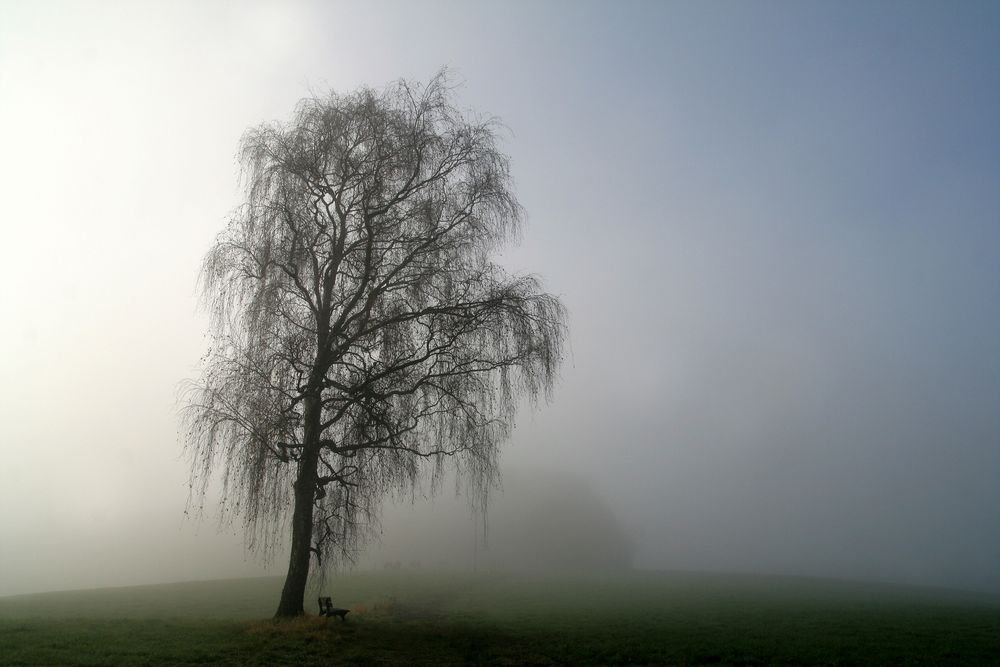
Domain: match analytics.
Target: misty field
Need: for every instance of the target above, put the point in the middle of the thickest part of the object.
(414, 617)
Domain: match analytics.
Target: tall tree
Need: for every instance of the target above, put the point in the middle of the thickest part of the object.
(359, 325)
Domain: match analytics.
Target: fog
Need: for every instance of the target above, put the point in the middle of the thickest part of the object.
(542, 521)
(776, 227)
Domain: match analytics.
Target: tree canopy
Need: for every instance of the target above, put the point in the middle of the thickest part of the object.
(359, 324)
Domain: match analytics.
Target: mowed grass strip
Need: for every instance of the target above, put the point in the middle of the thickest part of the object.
(430, 618)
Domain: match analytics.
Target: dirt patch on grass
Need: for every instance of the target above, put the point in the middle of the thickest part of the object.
(303, 627)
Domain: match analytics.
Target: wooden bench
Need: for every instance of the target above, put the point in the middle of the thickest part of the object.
(327, 609)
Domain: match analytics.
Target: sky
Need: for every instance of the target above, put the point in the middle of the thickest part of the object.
(776, 227)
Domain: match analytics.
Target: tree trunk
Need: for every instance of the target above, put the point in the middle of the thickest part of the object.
(294, 591)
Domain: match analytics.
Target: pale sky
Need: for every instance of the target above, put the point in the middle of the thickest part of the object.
(776, 226)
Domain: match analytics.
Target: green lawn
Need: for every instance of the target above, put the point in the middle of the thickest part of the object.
(426, 618)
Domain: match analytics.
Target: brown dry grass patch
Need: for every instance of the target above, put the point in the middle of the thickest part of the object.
(304, 627)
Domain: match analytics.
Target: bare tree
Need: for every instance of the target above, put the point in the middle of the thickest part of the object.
(360, 328)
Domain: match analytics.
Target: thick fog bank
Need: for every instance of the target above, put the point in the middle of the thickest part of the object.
(537, 521)
(153, 547)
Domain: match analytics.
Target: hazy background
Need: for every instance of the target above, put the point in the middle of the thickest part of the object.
(776, 226)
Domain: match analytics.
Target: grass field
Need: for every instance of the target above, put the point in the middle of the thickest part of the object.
(435, 618)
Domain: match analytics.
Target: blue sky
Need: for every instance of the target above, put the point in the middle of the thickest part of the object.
(776, 226)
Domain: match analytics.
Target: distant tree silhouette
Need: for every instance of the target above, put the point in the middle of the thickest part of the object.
(358, 325)
(554, 521)
(541, 520)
